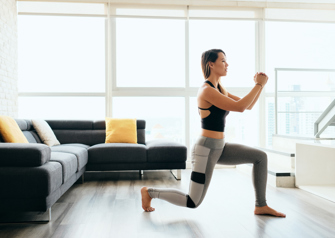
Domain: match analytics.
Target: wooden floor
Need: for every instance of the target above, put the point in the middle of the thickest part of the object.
(109, 205)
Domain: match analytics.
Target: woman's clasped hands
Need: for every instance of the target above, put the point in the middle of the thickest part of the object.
(261, 78)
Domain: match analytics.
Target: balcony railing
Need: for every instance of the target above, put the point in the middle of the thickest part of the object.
(308, 87)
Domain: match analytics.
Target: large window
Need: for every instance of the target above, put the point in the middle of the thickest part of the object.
(62, 107)
(155, 55)
(61, 67)
(165, 116)
(304, 90)
(150, 52)
(299, 45)
(235, 38)
(61, 54)
(142, 61)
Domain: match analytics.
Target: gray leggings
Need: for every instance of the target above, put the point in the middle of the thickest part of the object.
(206, 153)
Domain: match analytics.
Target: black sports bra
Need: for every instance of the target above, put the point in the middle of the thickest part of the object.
(217, 118)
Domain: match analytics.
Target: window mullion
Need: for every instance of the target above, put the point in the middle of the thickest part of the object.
(187, 82)
(260, 62)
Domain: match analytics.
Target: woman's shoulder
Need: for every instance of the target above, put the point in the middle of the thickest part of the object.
(206, 88)
(202, 89)
(205, 85)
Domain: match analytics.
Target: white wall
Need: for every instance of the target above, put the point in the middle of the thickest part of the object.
(8, 58)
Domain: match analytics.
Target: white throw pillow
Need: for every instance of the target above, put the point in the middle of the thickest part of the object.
(45, 132)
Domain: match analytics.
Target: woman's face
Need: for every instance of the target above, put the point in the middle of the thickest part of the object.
(220, 66)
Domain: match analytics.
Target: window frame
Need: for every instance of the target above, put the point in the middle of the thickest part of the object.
(111, 90)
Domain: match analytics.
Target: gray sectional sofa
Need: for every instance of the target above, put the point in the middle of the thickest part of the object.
(34, 176)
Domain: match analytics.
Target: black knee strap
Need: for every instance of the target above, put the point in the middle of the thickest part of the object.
(190, 203)
(198, 177)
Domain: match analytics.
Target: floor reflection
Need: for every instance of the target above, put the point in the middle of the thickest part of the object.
(179, 228)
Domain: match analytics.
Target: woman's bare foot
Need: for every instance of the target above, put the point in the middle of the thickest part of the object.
(266, 210)
(146, 200)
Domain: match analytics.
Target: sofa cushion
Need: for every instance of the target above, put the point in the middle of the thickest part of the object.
(78, 145)
(159, 151)
(70, 124)
(79, 152)
(99, 128)
(121, 130)
(10, 130)
(117, 153)
(32, 136)
(68, 162)
(45, 132)
(73, 131)
(25, 125)
(27, 128)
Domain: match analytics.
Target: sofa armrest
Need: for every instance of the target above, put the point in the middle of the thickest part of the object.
(24, 155)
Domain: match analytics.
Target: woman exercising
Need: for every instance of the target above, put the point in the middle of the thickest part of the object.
(214, 103)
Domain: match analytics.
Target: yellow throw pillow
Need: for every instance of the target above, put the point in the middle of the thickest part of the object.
(10, 130)
(121, 130)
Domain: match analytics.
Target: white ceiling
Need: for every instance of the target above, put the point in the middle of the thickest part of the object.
(293, 4)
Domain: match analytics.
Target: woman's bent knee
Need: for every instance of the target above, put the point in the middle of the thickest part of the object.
(191, 204)
(262, 157)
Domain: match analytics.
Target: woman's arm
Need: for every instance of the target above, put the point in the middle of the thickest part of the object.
(215, 98)
(212, 96)
(236, 98)
(255, 100)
